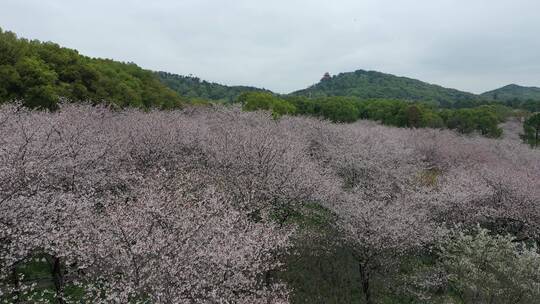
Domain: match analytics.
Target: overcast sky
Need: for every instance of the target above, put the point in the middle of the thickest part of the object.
(285, 45)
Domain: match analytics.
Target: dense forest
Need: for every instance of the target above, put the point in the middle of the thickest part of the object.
(195, 88)
(527, 98)
(40, 73)
(512, 91)
(483, 120)
(372, 84)
(375, 85)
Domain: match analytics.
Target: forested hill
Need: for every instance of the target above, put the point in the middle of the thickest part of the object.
(371, 84)
(514, 91)
(42, 72)
(193, 87)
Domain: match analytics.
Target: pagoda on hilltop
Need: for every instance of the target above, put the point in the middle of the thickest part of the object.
(326, 76)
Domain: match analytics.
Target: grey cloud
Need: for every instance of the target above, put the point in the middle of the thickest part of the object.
(474, 45)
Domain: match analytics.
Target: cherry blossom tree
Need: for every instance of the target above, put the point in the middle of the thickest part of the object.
(193, 205)
(123, 220)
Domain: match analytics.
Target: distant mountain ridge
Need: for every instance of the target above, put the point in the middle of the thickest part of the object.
(364, 85)
(373, 84)
(513, 91)
(194, 87)
(39, 73)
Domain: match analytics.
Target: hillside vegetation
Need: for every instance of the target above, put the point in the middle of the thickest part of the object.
(514, 91)
(195, 88)
(527, 98)
(483, 119)
(39, 73)
(372, 84)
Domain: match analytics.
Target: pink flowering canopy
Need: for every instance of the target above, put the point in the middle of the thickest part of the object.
(179, 206)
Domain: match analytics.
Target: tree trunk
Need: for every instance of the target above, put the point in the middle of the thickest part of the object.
(15, 282)
(58, 280)
(364, 277)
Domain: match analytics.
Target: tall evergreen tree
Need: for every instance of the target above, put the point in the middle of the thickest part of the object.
(531, 128)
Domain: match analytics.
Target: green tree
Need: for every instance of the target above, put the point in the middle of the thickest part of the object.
(34, 72)
(487, 124)
(41, 97)
(339, 109)
(486, 268)
(413, 116)
(10, 83)
(484, 120)
(531, 129)
(431, 119)
(254, 101)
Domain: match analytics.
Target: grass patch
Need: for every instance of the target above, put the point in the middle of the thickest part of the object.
(429, 177)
